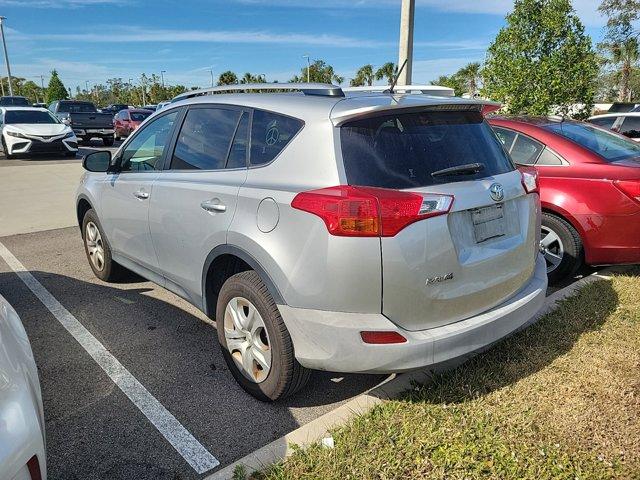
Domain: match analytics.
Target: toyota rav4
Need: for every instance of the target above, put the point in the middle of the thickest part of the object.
(322, 229)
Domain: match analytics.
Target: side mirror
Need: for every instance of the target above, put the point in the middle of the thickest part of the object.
(97, 161)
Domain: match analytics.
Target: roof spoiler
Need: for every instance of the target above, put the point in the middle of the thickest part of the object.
(435, 90)
(318, 89)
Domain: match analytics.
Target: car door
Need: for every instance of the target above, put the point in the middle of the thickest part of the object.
(125, 194)
(194, 198)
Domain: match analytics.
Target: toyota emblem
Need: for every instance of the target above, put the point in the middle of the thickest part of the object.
(497, 192)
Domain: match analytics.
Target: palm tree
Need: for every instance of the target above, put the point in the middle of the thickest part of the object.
(364, 76)
(625, 54)
(470, 77)
(389, 71)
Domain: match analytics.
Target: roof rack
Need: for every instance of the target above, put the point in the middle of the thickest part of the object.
(319, 89)
(435, 90)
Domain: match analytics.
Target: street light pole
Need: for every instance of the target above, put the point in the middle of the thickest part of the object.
(308, 68)
(406, 41)
(162, 72)
(211, 72)
(6, 55)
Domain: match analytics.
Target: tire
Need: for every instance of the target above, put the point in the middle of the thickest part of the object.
(269, 338)
(562, 240)
(105, 269)
(107, 141)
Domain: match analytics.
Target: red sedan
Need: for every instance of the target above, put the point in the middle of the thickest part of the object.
(127, 121)
(589, 188)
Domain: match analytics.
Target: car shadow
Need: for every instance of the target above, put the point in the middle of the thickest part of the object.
(520, 355)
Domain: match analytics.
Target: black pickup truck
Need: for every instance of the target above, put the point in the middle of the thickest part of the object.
(85, 120)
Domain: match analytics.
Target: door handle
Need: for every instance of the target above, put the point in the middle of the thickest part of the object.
(140, 195)
(213, 205)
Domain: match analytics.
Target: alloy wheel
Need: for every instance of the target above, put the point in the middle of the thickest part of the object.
(95, 246)
(247, 339)
(552, 248)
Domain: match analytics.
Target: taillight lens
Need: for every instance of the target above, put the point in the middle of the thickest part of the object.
(370, 212)
(382, 338)
(630, 188)
(530, 180)
(34, 468)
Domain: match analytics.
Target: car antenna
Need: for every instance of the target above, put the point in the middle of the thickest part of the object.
(395, 80)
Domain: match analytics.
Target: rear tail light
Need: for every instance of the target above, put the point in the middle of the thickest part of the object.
(34, 468)
(382, 338)
(530, 180)
(631, 188)
(370, 212)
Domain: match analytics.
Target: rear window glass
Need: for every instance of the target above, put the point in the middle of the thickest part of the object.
(139, 116)
(608, 145)
(76, 107)
(605, 122)
(403, 150)
(270, 133)
(14, 101)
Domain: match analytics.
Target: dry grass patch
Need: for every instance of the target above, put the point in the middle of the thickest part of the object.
(560, 399)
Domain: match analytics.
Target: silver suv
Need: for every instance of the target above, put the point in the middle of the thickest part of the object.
(330, 230)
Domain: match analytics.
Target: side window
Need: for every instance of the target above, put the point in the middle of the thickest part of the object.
(547, 157)
(631, 127)
(525, 150)
(505, 136)
(605, 122)
(52, 107)
(204, 140)
(238, 153)
(147, 147)
(270, 133)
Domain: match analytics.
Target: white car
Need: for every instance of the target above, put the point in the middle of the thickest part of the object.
(626, 123)
(22, 442)
(35, 130)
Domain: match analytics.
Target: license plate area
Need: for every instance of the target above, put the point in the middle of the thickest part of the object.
(488, 222)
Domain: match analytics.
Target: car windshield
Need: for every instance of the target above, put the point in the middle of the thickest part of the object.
(28, 116)
(608, 145)
(139, 116)
(76, 107)
(409, 150)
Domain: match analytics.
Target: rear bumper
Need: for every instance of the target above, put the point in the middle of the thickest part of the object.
(331, 340)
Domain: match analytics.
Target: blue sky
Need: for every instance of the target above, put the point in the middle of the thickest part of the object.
(92, 40)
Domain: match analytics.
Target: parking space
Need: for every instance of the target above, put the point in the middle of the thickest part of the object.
(93, 429)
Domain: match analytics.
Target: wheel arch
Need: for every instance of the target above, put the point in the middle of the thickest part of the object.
(223, 262)
(571, 220)
(83, 205)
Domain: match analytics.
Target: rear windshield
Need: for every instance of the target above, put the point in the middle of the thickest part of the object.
(139, 116)
(28, 116)
(403, 150)
(14, 101)
(76, 107)
(609, 146)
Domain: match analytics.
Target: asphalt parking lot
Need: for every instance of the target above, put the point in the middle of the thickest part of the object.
(94, 430)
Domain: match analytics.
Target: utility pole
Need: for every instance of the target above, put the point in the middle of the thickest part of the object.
(162, 72)
(211, 72)
(86, 84)
(308, 68)
(6, 55)
(406, 41)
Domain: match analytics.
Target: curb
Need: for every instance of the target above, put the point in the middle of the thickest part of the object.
(391, 388)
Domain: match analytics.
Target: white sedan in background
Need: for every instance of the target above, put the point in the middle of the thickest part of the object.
(22, 442)
(27, 130)
(626, 123)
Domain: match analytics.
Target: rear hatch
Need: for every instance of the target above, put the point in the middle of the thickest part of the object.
(468, 259)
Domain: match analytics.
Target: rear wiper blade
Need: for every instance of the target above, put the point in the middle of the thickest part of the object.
(467, 169)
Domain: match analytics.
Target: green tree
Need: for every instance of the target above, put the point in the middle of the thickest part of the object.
(624, 57)
(56, 89)
(389, 71)
(320, 72)
(32, 91)
(541, 61)
(227, 78)
(250, 78)
(364, 76)
(451, 81)
(470, 76)
(622, 17)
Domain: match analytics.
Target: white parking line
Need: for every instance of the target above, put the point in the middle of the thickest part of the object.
(179, 437)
